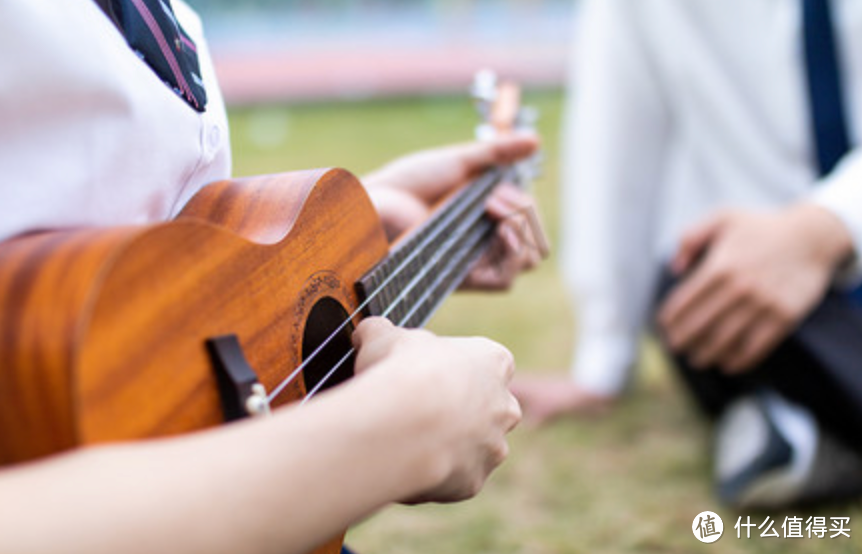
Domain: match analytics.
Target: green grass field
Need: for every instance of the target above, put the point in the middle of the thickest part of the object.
(630, 482)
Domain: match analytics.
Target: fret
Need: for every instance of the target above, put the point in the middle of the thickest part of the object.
(403, 280)
(430, 262)
(423, 310)
(427, 264)
(450, 274)
(398, 287)
(453, 209)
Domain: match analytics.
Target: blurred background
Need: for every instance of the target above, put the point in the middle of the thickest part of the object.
(355, 83)
(365, 48)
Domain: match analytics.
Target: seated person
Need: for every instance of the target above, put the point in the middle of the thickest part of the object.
(714, 189)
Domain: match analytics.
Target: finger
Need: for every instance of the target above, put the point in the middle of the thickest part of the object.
(369, 329)
(533, 248)
(507, 215)
(497, 208)
(507, 359)
(727, 335)
(686, 299)
(756, 346)
(516, 249)
(515, 146)
(486, 278)
(509, 204)
(704, 317)
(695, 241)
(496, 456)
(493, 270)
(515, 413)
(502, 150)
(508, 200)
(509, 260)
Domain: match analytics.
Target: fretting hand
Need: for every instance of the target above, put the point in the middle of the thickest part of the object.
(405, 191)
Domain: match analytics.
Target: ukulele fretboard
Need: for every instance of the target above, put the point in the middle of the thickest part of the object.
(424, 268)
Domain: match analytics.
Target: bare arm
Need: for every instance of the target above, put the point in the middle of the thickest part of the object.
(288, 483)
(426, 421)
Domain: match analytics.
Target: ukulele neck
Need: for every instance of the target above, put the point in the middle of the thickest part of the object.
(425, 267)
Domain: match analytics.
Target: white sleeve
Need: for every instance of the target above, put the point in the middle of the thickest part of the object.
(89, 134)
(841, 193)
(616, 133)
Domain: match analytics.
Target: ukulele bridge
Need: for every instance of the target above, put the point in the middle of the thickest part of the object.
(242, 395)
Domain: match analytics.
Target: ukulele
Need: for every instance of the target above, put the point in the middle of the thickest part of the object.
(245, 302)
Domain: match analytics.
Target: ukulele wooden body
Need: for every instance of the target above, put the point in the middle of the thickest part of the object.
(102, 332)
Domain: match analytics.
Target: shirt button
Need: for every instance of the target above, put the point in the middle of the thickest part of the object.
(178, 44)
(214, 137)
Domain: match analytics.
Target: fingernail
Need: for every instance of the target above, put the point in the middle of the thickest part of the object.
(508, 191)
(513, 241)
(496, 208)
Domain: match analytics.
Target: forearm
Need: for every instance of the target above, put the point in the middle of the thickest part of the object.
(829, 237)
(294, 481)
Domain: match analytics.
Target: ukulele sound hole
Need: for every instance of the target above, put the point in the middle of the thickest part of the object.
(323, 322)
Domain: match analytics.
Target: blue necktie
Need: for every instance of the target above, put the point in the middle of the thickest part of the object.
(828, 118)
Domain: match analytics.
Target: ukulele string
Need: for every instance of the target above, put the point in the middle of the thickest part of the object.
(469, 248)
(407, 317)
(475, 194)
(461, 230)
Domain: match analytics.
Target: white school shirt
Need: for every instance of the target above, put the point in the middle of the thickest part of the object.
(89, 134)
(682, 107)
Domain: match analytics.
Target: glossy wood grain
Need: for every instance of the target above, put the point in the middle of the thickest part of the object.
(102, 331)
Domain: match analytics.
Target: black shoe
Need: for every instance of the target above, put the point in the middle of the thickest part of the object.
(764, 448)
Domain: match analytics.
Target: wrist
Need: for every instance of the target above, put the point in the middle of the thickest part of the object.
(398, 210)
(374, 181)
(830, 240)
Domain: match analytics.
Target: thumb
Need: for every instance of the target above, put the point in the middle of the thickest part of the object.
(696, 240)
(502, 150)
(370, 329)
(515, 146)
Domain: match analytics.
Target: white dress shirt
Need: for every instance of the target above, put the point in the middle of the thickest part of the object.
(89, 134)
(682, 107)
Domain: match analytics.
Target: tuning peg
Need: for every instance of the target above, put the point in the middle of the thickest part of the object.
(485, 86)
(484, 93)
(527, 118)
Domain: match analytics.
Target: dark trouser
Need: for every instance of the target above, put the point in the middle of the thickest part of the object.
(819, 367)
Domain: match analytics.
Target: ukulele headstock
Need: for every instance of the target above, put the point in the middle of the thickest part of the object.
(499, 105)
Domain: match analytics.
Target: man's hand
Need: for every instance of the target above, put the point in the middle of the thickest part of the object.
(405, 191)
(546, 399)
(752, 277)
